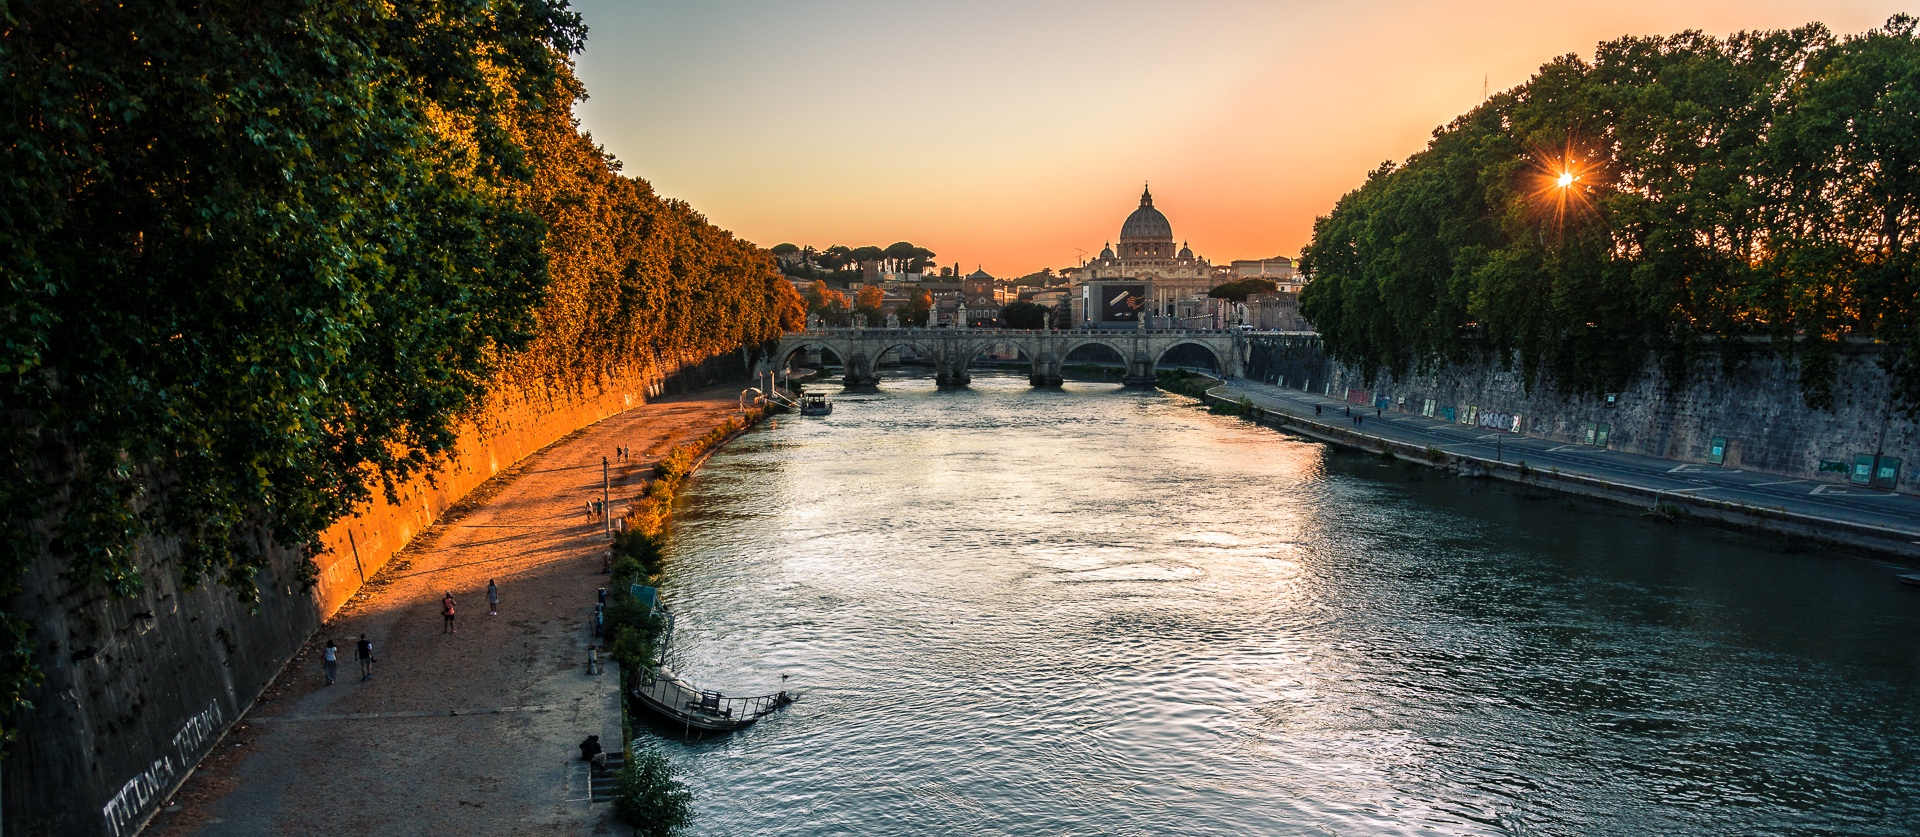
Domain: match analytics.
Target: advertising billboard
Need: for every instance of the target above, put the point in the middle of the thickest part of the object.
(1122, 303)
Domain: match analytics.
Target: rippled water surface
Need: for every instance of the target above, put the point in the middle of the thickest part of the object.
(1096, 611)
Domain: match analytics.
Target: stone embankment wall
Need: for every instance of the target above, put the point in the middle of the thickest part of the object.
(138, 689)
(1756, 407)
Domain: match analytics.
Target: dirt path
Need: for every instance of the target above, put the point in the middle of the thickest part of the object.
(465, 733)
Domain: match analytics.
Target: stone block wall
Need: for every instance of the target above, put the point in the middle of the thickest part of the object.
(1756, 407)
(138, 689)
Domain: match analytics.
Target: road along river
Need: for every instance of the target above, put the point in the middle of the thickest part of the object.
(1094, 611)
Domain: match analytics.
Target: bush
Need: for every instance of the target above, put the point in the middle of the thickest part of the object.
(650, 799)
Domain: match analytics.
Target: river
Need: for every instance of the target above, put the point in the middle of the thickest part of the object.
(1095, 611)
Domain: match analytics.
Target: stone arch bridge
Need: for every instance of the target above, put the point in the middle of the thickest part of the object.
(951, 349)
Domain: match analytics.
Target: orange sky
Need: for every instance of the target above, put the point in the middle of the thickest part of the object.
(1016, 134)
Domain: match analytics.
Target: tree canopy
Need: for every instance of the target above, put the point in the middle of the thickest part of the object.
(1239, 290)
(1674, 190)
(912, 259)
(262, 258)
(1024, 314)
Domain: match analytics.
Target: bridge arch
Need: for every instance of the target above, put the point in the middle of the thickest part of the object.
(1219, 358)
(792, 345)
(1081, 343)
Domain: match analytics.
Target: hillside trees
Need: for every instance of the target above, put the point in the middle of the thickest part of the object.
(263, 257)
(1676, 189)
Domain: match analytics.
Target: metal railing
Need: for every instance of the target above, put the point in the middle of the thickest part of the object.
(683, 697)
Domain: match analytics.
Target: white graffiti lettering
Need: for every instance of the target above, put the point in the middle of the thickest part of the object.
(145, 787)
(125, 807)
(198, 728)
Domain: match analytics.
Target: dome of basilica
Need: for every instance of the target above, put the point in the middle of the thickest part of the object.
(1146, 223)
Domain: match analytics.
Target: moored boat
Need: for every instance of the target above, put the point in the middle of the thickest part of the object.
(815, 405)
(659, 690)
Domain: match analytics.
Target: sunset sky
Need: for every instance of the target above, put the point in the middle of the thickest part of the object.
(1016, 135)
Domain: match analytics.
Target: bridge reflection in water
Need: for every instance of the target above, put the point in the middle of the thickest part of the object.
(950, 350)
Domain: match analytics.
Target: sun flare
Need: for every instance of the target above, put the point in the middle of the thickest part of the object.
(1566, 179)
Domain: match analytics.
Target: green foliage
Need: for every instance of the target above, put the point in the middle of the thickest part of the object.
(651, 799)
(1183, 382)
(1240, 290)
(1762, 185)
(1024, 315)
(263, 258)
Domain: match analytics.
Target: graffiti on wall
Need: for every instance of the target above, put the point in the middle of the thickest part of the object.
(123, 811)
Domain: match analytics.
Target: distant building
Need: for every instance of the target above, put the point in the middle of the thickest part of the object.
(1279, 269)
(1145, 277)
(1276, 312)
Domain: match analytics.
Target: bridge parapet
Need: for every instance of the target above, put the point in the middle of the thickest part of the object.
(952, 349)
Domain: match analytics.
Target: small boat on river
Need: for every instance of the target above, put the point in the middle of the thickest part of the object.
(1911, 578)
(659, 690)
(815, 405)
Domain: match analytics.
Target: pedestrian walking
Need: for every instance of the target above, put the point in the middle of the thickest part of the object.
(364, 650)
(493, 599)
(446, 612)
(330, 661)
(589, 508)
(1316, 409)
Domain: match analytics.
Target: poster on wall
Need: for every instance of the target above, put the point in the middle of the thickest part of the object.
(1122, 303)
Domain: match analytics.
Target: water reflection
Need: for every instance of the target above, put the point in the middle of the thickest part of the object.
(1097, 611)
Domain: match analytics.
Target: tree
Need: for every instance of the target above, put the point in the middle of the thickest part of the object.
(867, 302)
(829, 304)
(913, 259)
(1676, 189)
(917, 309)
(785, 249)
(1238, 291)
(1023, 315)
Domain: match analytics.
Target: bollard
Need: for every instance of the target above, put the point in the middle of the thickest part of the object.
(593, 659)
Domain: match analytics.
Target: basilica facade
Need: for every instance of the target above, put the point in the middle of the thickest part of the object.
(1145, 258)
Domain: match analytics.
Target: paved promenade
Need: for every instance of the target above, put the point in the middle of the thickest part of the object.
(468, 733)
(1897, 516)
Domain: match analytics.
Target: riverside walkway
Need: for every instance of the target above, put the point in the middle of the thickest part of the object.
(1849, 514)
(469, 733)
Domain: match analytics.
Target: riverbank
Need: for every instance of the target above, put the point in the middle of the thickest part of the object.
(1881, 523)
(470, 732)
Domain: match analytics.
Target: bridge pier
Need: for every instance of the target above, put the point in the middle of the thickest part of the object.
(859, 372)
(1046, 371)
(1140, 371)
(948, 372)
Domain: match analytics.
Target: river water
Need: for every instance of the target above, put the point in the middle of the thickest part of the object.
(1100, 611)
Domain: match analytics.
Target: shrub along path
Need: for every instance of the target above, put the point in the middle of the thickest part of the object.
(467, 733)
